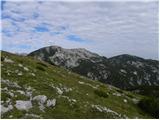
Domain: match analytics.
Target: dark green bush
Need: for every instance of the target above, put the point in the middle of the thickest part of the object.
(2, 58)
(101, 93)
(120, 91)
(129, 95)
(40, 63)
(150, 105)
(40, 68)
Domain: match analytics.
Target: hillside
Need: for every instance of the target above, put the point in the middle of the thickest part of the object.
(34, 89)
(123, 71)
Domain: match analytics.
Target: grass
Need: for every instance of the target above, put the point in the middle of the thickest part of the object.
(47, 75)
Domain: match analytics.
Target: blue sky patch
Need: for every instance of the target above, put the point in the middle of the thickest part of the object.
(24, 46)
(76, 38)
(41, 28)
(55, 33)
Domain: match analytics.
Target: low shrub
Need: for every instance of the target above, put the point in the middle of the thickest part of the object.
(101, 93)
(2, 58)
(40, 63)
(40, 68)
(150, 105)
(129, 95)
(120, 91)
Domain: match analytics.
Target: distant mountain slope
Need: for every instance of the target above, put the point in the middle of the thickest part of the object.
(123, 71)
(35, 89)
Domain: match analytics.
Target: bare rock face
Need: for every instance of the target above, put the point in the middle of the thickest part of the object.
(123, 71)
(66, 57)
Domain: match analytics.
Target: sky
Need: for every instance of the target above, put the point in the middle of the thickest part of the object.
(108, 28)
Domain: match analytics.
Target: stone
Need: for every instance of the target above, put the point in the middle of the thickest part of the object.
(40, 98)
(51, 103)
(33, 74)
(8, 60)
(20, 65)
(20, 73)
(59, 91)
(6, 109)
(125, 100)
(26, 69)
(21, 92)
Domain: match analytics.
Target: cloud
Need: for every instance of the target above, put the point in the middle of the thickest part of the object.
(108, 28)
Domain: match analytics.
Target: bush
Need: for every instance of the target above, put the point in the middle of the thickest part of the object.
(40, 63)
(40, 68)
(101, 93)
(120, 91)
(2, 58)
(150, 105)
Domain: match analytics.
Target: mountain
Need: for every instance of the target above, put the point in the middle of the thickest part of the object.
(35, 89)
(123, 71)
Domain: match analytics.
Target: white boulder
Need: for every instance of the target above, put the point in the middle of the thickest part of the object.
(23, 105)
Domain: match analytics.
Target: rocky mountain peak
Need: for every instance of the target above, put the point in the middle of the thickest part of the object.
(63, 56)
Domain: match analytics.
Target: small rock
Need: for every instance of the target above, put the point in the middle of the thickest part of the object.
(8, 100)
(28, 94)
(21, 92)
(10, 83)
(26, 69)
(73, 100)
(20, 73)
(20, 65)
(135, 101)
(59, 91)
(125, 100)
(51, 103)
(117, 94)
(33, 74)
(8, 60)
(16, 71)
(32, 115)
(11, 94)
(6, 109)
(5, 88)
(11, 116)
(41, 107)
(40, 98)
(80, 82)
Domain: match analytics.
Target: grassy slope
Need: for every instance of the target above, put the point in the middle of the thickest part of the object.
(83, 94)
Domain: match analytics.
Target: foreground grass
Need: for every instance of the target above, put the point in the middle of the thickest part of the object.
(81, 97)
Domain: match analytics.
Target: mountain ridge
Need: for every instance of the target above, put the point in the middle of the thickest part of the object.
(132, 70)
